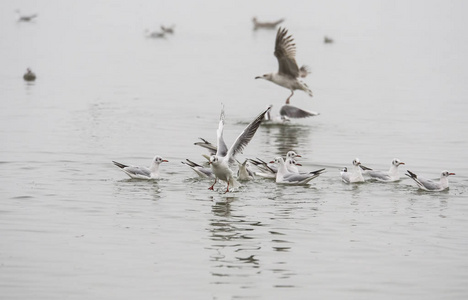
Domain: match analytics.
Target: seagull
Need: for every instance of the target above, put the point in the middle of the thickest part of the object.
(327, 40)
(199, 169)
(245, 173)
(288, 73)
(429, 185)
(142, 172)
(288, 112)
(269, 170)
(224, 157)
(25, 18)
(169, 30)
(355, 175)
(284, 176)
(386, 176)
(29, 75)
(265, 25)
(154, 34)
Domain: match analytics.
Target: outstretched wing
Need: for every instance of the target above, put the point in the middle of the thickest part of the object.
(222, 148)
(247, 134)
(285, 52)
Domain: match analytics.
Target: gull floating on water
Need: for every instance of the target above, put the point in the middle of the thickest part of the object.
(24, 18)
(284, 176)
(386, 176)
(201, 171)
(224, 157)
(287, 112)
(430, 185)
(142, 172)
(288, 72)
(169, 30)
(154, 34)
(265, 25)
(29, 75)
(355, 175)
(245, 173)
(269, 170)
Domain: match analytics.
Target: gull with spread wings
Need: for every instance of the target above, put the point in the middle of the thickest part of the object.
(224, 157)
(288, 73)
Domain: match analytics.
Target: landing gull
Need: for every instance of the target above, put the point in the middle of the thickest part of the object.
(224, 157)
(430, 185)
(288, 72)
(142, 172)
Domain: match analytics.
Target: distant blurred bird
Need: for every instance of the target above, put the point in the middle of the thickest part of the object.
(288, 73)
(265, 25)
(168, 29)
(25, 18)
(327, 40)
(154, 34)
(29, 75)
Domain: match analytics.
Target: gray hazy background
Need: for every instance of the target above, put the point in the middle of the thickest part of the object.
(73, 226)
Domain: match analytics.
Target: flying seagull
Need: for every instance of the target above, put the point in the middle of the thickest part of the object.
(288, 72)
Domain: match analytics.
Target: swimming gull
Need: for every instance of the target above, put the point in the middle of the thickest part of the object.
(201, 171)
(386, 176)
(430, 185)
(284, 176)
(288, 72)
(25, 18)
(29, 75)
(245, 173)
(224, 157)
(169, 30)
(142, 172)
(265, 25)
(355, 175)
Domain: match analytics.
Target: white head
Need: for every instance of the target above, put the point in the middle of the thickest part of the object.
(396, 162)
(278, 160)
(158, 159)
(344, 170)
(356, 162)
(213, 159)
(268, 77)
(292, 154)
(446, 174)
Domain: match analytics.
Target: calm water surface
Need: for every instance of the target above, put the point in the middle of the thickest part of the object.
(73, 226)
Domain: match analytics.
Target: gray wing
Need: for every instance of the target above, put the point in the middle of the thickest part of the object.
(285, 52)
(207, 145)
(139, 171)
(378, 175)
(244, 138)
(299, 178)
(295, 112)
(222, 148)
(429, 184)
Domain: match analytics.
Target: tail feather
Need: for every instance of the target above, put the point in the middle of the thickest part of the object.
(119, 165)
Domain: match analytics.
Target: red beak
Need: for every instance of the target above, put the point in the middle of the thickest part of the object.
(165, 160)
